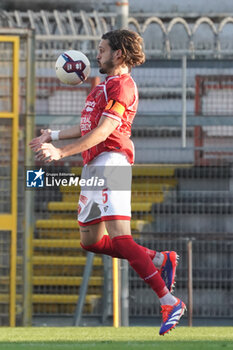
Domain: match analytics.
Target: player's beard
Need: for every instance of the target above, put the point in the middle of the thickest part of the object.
(107, 66)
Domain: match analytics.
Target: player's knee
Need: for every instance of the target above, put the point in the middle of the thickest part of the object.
(94, 248)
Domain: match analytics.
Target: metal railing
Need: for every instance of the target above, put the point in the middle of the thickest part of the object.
(168, 38)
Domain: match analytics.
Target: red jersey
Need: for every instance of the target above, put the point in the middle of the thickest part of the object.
(116, 98)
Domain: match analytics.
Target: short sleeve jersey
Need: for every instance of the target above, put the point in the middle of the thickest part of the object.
(116, 98)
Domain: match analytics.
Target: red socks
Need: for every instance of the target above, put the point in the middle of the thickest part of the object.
(104, 246)
(125, 247)
(140, 258)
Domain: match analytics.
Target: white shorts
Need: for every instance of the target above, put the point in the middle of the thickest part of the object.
(112, 200)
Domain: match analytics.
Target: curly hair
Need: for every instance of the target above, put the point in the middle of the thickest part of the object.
(129, 42)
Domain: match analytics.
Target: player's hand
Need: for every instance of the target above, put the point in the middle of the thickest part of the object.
(38, 141)
(47, 153)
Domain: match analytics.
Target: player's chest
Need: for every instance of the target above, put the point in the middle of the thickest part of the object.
(94, 107)
(97, 98)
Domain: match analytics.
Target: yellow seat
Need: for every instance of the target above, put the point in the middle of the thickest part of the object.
(58, 224)
(72, 206)
(65, 281)
(56, 243)
(64, 260)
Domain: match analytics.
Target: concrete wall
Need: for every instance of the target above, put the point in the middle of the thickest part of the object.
(182, 6)
(149, 6)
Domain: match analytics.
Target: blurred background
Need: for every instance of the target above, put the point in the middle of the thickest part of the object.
(182, 194)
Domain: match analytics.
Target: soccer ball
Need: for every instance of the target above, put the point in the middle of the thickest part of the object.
(72, 67)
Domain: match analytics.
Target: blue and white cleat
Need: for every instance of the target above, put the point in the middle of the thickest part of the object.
(168, 269)
(171, 316)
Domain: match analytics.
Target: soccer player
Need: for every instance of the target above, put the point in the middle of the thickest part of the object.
(103, 138)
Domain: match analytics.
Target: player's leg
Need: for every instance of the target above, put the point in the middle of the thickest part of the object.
(123, 243)
(94, 239)
(91, 234)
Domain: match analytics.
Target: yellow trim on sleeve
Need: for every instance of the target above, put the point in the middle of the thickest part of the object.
(114, 106)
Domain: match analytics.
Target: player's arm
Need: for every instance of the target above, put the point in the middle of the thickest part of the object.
(105, 128)
(70, 133)
(48, 135)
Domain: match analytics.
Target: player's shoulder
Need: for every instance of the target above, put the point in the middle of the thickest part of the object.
(120, 86)
(120, 81)
(122, 89)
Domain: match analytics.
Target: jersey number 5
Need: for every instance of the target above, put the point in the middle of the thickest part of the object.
(105, 195)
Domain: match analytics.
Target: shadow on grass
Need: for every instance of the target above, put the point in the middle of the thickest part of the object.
(117, 345)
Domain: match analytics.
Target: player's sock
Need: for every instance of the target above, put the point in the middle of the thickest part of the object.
(158, 259)
(168, 299)
(104, 246)
(140, 262)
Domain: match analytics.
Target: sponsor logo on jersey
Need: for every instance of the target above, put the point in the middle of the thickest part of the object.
(85, 123)
(89, 109)
(90, 104)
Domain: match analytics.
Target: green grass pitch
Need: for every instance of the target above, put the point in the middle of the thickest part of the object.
(101, 338)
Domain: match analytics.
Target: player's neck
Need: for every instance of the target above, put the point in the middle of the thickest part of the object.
(119, 70)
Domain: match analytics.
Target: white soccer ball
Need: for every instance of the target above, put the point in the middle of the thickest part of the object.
(72, 67)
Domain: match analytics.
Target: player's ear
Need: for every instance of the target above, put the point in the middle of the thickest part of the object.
(118, 53)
